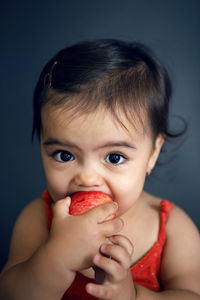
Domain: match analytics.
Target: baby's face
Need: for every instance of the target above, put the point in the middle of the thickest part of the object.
(94, 152)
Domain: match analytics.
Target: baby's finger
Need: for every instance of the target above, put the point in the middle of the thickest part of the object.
(117, 253)
(99, 290)
(112, 268)
(61, 207)
(122, 241)
(112, 227)
(104, 211)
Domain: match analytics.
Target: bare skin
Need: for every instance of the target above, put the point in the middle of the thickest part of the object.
(78, 157)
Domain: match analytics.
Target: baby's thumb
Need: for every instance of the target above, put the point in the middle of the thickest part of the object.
(61, 207)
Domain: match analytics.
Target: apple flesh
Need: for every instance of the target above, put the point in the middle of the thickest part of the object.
(81, 202)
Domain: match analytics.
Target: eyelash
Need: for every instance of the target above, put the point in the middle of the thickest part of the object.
(120, 156)
(62, 152)
(71, 157)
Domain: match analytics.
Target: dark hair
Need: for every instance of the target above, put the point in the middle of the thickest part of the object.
(116, 74)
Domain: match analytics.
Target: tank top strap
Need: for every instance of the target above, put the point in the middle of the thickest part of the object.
(47, 204)
(165, 207)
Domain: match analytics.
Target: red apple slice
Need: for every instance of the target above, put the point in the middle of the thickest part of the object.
(81, 202)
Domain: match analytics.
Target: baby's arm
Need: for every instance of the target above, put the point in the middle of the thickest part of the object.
(42, 265)
(180, 269)
(29, 272)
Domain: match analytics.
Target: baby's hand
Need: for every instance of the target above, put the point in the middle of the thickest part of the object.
(115, 260)
(75, 240)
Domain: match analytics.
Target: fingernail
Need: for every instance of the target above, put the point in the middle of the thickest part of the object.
(111, 238)
(97, 258)
(68, 200)
(89, 288)
(103, 247)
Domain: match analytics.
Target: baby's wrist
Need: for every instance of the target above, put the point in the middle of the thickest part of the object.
(61, 266)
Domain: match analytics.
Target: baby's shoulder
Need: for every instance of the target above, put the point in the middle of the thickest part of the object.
(36, 206)
(32, 213)
(31, 220)
(30, 231)
(176, 217)
(181, 252)
(178, 222)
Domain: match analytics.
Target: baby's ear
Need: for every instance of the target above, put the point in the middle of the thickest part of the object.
(155, 152)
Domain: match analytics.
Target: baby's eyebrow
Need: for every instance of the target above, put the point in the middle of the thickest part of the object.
(53, 142)
(117, 144)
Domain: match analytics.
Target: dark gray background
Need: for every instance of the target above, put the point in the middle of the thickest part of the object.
(33, 31)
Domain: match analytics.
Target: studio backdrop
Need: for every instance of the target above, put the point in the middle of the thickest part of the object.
(33, 31)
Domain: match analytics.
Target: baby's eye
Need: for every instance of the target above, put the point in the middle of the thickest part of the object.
(115, 158)
(63, 156)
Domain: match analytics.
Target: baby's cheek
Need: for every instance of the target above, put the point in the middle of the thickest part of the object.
(126, 199)
(57, 189)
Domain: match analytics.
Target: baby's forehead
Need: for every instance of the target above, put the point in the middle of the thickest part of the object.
(123, 109)
(64, 116)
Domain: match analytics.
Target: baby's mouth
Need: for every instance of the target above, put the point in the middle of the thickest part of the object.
(71, 194)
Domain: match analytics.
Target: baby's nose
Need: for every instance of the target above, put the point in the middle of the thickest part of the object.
(88, 178)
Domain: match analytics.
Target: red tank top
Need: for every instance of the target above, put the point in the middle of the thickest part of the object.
(145, 272)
